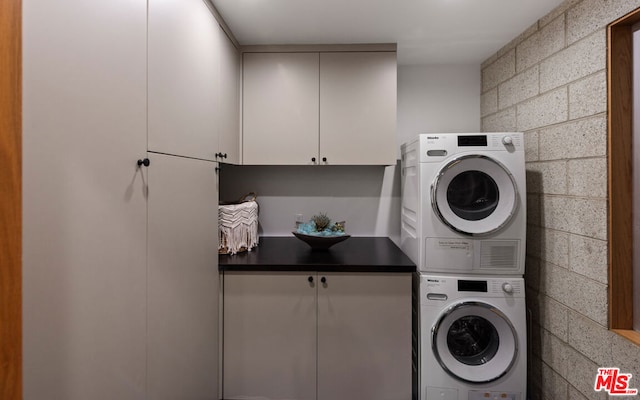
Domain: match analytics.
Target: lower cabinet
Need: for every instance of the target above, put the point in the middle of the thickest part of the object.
(364, 337)
(325, 336)
(269, 339)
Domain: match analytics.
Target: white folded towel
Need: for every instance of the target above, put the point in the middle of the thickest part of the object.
(238, 226)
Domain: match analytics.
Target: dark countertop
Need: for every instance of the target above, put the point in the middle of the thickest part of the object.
(356, 254)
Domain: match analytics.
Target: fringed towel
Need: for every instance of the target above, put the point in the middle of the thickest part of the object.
(238, 226)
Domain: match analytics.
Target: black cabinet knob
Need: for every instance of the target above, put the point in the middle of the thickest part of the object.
(323, 280)
(313, 159)
(324, 159)
(144, 162)
(310, 279)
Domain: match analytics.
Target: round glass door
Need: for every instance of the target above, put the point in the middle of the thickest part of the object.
(474, 342)
(474, 195)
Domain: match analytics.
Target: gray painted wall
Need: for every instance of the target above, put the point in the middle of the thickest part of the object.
(430, 99)
(550, 82)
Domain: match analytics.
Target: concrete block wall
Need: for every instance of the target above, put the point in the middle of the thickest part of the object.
(550, 83)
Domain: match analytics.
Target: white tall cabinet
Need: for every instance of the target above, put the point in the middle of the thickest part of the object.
(182, 279)
(229, 101)
(183, 78)
(194, 77)
(120, 273)
(84, 206)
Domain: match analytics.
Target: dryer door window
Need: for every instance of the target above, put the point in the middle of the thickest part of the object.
(474, 195)
(474, 342)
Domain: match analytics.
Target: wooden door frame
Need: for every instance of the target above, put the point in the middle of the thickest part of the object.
(620, 155)
(11, 199)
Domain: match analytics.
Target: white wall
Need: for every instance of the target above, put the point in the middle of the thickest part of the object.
(366, 197)
(438, 98)
(442, 98)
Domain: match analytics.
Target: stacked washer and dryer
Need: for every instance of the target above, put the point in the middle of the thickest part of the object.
(464, 225)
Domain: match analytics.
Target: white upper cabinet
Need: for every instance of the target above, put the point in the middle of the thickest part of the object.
(229, 101)
(280, 108)
(358, 108)
(305, 108)
(183, 68)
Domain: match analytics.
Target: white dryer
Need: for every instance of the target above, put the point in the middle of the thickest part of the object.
(473, 342)
(464, 203)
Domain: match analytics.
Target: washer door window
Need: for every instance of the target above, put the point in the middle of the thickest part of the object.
(474, 342)
(474, 195)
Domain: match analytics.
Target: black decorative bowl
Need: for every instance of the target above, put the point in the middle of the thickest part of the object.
(320, 242)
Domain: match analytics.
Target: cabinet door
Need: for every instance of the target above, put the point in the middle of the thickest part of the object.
(229, 101)
(358, 108)
(183, 284)
(364, 337)
(280, 108)
(269, 336)
(183, 74)
(84, 211)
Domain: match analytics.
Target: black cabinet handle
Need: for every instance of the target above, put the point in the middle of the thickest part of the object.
(323, 280)
(144, 162)
(310, 279)
(324, 159)
(313, 159)
(221, 155)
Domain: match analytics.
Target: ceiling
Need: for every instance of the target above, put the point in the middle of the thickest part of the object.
(426, 31)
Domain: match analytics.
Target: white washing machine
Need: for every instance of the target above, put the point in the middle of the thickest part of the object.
(464, 203)
(473, 342)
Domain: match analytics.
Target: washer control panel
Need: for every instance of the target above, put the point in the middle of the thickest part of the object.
(507, 286)
(442, 288)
